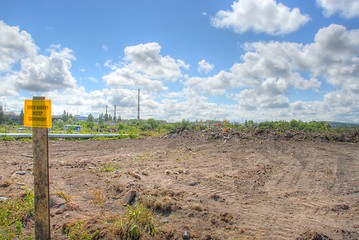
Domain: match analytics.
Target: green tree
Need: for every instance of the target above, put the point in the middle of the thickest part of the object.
(249, 123)
(65, 116)
(294, 124)
(21, 120)
(153, 123)
(59, 124)
(101, 118)
(70, 121)
(90, 118)
(71, 117)
(145, 126)
(2, 117)
(185, 124)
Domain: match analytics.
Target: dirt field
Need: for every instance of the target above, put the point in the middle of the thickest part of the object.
(244, 188)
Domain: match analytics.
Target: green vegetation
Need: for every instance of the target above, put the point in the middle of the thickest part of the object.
(311, 127)
(15, 214)
(110, 167)
(328, 171)
(77, 231)
(7, 138)
(134, 129)
(296, 125)
(137, 222)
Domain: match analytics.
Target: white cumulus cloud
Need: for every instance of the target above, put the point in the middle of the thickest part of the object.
(213, 85)
(334, 56)
(204, 66)
(130, 77)
(145, 67)
(23, 68)
(346, 8)
(147, 58)
(270, 71)
(14, 46)
(262, 16)
(44, 73)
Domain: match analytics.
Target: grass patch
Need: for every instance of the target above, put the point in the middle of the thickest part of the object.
(77, 231)
(63, 195)
(109, 167)
(138, 222)
(104, 138)
(7, 138)
(26, 139)
(15, 214)
(133, 135)
(328, 171)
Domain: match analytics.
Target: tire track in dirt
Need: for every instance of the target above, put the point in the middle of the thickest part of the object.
(260, 215)
(299, 173)
(220, 183)
(346, 172)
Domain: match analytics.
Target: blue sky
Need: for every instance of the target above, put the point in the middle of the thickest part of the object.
(234, 60)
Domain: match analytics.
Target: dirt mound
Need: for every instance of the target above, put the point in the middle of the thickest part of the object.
(226, 134)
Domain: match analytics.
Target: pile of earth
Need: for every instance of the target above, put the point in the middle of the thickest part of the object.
(226, 134)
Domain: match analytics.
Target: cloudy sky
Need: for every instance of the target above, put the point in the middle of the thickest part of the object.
(203, 59)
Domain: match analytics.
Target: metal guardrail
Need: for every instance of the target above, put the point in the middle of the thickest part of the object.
(62, 135)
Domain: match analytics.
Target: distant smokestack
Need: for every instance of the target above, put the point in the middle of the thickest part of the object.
(138, 105)
(106, 109)
(114, 113)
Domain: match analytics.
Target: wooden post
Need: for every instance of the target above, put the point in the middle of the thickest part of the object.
(41, 181)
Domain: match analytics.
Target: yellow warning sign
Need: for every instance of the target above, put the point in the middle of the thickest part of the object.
(37, 113)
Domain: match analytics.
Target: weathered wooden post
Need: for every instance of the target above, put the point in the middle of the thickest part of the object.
(38, 115)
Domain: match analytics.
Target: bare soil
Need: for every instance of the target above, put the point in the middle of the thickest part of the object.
(214, 187)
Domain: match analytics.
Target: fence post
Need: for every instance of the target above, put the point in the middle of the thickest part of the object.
(41, 181)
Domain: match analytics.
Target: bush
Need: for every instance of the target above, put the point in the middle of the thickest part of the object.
(185, 124)
(121, 126)
(153, 123)
(145, 127)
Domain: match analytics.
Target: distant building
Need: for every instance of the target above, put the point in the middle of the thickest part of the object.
(74, 127)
